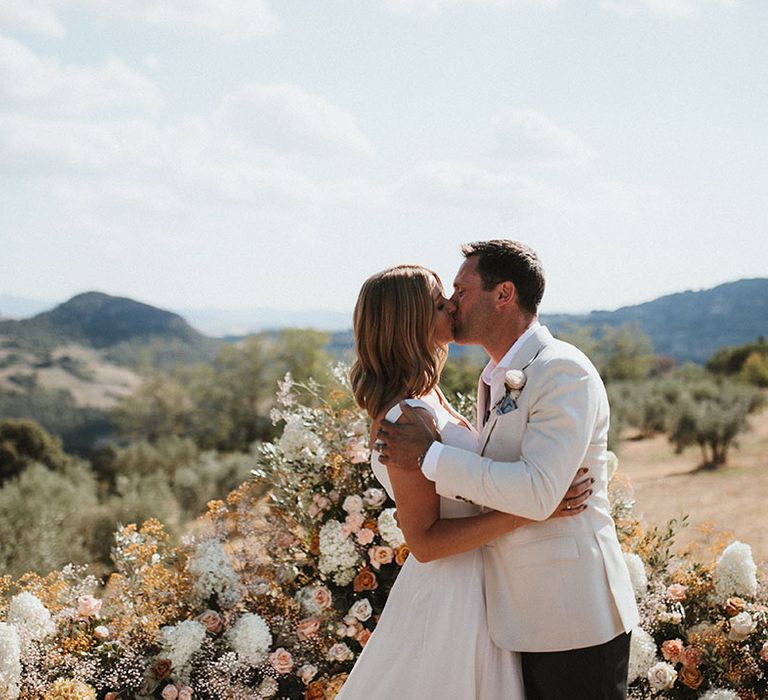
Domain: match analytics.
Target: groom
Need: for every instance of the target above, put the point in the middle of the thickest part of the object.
(557, 591)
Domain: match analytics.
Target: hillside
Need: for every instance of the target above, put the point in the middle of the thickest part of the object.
(689, 326)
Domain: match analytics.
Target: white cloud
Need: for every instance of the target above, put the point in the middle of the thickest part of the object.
(437, 6)
(451, 184)
(35, 16)
(238, 17)
(47, 85)
(525, 134)
(674, 9)
(291, 120)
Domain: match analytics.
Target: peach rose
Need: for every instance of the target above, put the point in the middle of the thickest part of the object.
(170, 692)
(372, 525)
(307, 628)
(691, 676)
(672, 650)
(340, 652)
(365, 536)
(733, 606)
(365, 581)
(211, 620)
(111, 695)
(379, 555)
(88, 606)
(401, 554)
(322, 598)
(315, 691)
(162, 669)
(677, 592)
(185, 693)
(307, 672)
(354, 521)
(363, 636)
(691, 657)
(281, 660)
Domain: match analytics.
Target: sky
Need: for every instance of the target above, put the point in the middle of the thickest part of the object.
(234, 154)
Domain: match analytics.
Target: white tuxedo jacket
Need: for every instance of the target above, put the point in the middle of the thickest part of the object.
(558, 584)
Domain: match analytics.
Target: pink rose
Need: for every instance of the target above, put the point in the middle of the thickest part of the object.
(691, 657)
(307, 628)
(764, 652)
(677, 592)
(170, 692)
(322, 598)
(334, 496)
(340, 652)
(365, 536)
(185, 693)
(281, 660)
(357, 451)
(380, 555)
(211, 620)
(353, 504)
(672, 650)
(88, 606)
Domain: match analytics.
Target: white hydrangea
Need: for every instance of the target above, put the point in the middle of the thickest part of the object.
(612, 464)
(338, 554)
(30, 616)
(719, 694)
(299, 444)
(10, 661)
(250, 638)
(213, 574)
(636, 574)
(388, 528)
(736, 572)
(178, 642)
(642, 654)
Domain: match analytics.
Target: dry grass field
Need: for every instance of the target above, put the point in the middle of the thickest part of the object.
(730, 502)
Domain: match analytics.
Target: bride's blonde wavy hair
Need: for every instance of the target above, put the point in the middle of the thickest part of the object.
(394, 324)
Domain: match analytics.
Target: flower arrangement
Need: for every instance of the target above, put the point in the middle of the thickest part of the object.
(276, 596)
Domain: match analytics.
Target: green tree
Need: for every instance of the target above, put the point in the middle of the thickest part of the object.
(23, 442)
(755, 369)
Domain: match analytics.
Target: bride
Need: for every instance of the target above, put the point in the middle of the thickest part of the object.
(432, 639)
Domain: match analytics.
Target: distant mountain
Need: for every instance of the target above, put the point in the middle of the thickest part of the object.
(688, 326)
(102, 321)
(222, 323)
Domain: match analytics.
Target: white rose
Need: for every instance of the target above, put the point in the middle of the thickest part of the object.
(514, 379)
(662, 676)
(307, 672)
(742, 625)
(353, 504)
(361, 609)
(340, 652)
(374, 497)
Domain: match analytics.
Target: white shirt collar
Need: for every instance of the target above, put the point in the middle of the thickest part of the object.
(506, 361)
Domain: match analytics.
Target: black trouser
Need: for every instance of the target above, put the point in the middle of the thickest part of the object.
(592, 673)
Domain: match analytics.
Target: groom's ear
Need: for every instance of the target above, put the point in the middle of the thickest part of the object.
(506, 293)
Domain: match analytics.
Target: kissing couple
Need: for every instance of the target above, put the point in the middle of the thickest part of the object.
(517, 588)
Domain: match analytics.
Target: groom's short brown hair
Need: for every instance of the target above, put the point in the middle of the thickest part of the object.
(509, 261)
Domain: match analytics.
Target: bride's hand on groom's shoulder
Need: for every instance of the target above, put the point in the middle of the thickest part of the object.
(403, 444)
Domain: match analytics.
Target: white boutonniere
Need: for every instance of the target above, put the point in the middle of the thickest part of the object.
(514, 381)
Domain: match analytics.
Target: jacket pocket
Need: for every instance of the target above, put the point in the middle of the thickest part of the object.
(545, 550)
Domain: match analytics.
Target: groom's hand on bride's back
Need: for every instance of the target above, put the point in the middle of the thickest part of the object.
(403, 444)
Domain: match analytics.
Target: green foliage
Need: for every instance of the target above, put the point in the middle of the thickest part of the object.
(461, 373)
(45, 519)
(619, 353)
(731, 360)
(23, 442)
(755, 369)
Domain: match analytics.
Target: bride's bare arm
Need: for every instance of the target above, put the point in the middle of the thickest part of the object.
(429, 537)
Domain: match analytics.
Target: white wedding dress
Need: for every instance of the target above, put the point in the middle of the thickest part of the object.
(432, 639)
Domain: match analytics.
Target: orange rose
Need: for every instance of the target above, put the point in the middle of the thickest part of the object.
(162, 668)
(734, 606)
(371, 524)
(315, 691)
(365, 581)
(363, 636)
(691, 676)
(401, 554)
(672, 650)
(314, 544)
